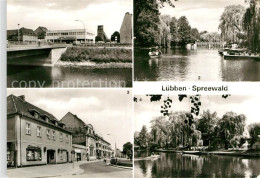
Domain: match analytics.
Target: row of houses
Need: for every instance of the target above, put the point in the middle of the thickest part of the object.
(35, 137)
(69, 36)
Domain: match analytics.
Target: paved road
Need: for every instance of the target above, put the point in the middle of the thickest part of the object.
(99, 169)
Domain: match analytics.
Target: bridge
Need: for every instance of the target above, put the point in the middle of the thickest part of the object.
(35, 56)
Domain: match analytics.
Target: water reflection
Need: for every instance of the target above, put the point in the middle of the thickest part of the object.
(193, 65)
(178, 165)
(22, 76)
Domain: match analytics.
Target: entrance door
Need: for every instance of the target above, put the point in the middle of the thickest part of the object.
(50, 156)
(67, 157)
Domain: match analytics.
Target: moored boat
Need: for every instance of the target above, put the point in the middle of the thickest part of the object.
(191, 152)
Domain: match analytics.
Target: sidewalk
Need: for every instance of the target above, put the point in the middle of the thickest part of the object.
(51, 170)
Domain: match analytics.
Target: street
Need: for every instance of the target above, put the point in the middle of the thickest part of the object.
(78, 169)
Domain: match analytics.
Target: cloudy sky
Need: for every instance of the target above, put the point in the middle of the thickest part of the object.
(145, 111)
(202, 14)
(108, 110)
(61, 14)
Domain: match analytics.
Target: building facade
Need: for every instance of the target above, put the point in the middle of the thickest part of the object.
(101, 35)
(34, 136)
(126, 29)
(40, 32)
(84, 134)
(25, 35)
(69, 36)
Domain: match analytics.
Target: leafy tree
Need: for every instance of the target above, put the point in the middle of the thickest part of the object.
(165, 32)
(174, 31)
(195, 35)
(231, 23)
(254, 131)
(143, 137)
(146, 21)
(184, 30)
(229, 126)
(207, 124)
(251, 25)
(128, 149)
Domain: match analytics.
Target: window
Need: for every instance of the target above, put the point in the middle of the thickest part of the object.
(28, 129)
(67, 138)
(48, 134)
(39, 131)
(53, 135)
(61, 137)
(33, 154)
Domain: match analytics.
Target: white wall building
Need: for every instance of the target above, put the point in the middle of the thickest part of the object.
(69, 36)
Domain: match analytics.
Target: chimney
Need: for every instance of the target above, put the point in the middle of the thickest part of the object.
(22, 97)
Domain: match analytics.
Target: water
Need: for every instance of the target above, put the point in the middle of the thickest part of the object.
(31, 76)
(178, 165)
(193, 65)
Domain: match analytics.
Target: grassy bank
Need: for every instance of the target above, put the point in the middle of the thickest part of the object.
(98, 55)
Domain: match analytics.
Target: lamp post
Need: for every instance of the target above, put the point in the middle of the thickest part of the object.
(18, 37)
(84, 29)
(115, 142)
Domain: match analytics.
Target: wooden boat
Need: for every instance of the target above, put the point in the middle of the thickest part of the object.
(229, 56)
(240, 54)
(191, 152)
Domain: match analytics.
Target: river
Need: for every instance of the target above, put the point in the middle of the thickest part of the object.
(32, 76)
(193, 65)
(178, 165)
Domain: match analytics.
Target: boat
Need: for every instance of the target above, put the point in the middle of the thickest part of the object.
(240, 54)
(222, 51)
(154, 54)
(191, 152)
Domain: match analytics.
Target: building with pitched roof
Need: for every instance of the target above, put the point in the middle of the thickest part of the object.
(34, 136)
(84, 134)
(41, 32)
(25, 35)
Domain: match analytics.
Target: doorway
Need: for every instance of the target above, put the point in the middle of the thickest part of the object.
(51, 157)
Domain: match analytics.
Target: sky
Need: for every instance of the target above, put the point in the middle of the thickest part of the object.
(202, 14)
(108, 110)
(145, 111)
(61, 14)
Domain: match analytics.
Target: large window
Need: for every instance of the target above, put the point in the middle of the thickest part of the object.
(28, 129)
(33, 154)
(53, 135)
(39, 131)
(48, 134)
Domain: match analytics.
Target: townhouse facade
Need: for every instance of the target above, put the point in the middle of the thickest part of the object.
(95, 147)
(34, 136)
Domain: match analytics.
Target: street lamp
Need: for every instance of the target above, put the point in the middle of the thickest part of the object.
(115, 142)
(84, 29)
(18, 38)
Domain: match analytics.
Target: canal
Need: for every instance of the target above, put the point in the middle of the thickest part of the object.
(32, 76)
(193, 65)
(178, 165)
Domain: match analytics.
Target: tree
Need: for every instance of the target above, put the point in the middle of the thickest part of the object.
(195, 35)
(229, 126)
(254, 131)
(165, 32)
(184, 30)
(231, 23)
(251, 25)
(128, 149)
(115, 37)
(174, 31)
(146, 21)
(143, 137)
(207, 124)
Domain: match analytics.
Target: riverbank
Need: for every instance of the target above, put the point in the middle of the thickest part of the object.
(97, 55)
(90, 64)
(247, 153)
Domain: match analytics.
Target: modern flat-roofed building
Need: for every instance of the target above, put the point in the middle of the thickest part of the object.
(69, 36)
(34, 136)
(126, 29)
